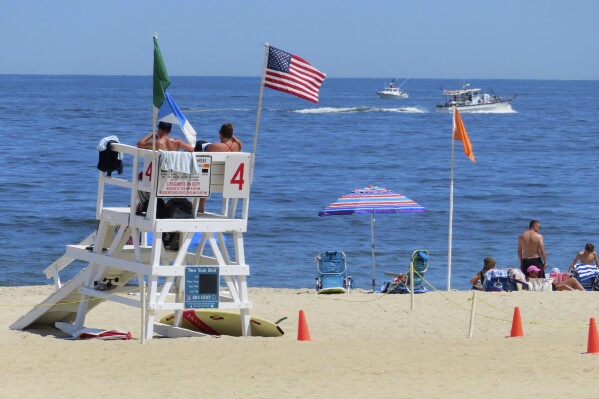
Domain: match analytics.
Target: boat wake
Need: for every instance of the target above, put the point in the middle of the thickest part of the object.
(205, 110)
(331, 110)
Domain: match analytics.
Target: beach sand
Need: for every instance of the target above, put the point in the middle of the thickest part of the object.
(362, 345)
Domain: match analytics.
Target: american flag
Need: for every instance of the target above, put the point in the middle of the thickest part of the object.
(291, 74)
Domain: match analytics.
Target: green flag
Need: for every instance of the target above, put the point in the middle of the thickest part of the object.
(161, 79)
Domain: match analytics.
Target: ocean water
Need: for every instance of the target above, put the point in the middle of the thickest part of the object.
(537, 161)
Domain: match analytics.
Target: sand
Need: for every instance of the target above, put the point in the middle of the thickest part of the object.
(362, 345)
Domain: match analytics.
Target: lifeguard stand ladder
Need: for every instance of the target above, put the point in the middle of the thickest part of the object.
(119, 251)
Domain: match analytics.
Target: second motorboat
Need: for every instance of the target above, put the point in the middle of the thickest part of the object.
(473, 100)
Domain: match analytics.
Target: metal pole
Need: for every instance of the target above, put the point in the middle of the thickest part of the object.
(266, 47)
(154, 116)
(450, 207)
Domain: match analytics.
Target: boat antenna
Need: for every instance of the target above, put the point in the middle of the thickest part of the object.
(402, 83)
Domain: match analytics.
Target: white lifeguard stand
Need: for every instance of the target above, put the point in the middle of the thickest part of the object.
(120, 251)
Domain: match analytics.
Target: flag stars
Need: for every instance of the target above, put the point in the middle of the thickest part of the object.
(278, 60)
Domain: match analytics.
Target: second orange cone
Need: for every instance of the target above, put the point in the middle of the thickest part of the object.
(517, 324)
(302, 328)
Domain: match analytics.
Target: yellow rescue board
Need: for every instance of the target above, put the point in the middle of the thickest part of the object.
(222, 322)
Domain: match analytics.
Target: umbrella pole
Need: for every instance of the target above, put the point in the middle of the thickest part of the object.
(372, 246)
(450, 234)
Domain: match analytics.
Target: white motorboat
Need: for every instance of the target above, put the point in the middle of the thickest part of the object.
(393, 91)
(473, 100)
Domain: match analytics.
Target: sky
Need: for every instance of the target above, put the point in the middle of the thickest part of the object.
(464, 39)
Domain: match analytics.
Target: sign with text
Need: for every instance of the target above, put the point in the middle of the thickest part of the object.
(237, 176)
(178, 184)
(201, 287)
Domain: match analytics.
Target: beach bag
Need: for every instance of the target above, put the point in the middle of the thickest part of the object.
(161, 210)
(559, 277)
(540, 284)
(179, 208)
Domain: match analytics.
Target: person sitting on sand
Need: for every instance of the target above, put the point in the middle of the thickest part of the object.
(479, 278)
(569, 284)
(586, 257)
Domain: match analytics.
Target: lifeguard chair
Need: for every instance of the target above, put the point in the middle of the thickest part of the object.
(121, 252)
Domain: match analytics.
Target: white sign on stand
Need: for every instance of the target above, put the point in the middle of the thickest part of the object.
(237, 177)
(176, 184)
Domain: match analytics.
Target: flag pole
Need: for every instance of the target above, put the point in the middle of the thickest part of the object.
(253, 155)
(154, 115)
(266, 47)
(450, 206)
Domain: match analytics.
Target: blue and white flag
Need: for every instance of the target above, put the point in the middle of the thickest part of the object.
(170, 112)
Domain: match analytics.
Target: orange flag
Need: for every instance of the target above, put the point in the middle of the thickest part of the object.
(459, 133)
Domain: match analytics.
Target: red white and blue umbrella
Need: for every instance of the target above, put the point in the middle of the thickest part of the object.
(371, 200)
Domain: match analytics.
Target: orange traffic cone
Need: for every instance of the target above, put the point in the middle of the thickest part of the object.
(517, 324)
(302, 328)
(593, 345)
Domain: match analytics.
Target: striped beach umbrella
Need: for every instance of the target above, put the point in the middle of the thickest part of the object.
(370, 201)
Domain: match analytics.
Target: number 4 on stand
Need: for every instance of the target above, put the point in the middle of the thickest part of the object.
(236, 179)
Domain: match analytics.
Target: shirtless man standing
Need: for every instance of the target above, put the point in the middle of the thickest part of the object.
(163, 141)
(531, 250)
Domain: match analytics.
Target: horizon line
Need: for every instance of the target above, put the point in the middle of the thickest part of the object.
(258, 77)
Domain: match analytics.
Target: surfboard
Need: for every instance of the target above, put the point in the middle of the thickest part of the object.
(222, 322)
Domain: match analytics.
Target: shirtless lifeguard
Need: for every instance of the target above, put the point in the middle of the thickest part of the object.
(531, 250)
(163, 141)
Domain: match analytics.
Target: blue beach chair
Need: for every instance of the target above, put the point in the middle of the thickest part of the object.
(401, 282)
(332, 273)
(502, 280)
(497, 280)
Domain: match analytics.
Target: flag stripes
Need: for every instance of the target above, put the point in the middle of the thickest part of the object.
(293, 75)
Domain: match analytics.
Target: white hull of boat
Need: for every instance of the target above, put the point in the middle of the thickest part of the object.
(383, 94)
(498, 106)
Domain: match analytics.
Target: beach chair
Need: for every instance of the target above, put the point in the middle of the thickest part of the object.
(498, 280)
(400, 284)
(504, 280)
(332, 273)
(587, 275)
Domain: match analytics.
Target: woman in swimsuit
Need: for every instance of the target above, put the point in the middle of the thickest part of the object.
(228, 143)
(478, 280)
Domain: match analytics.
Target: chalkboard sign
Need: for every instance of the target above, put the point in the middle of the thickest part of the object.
(201, 287)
